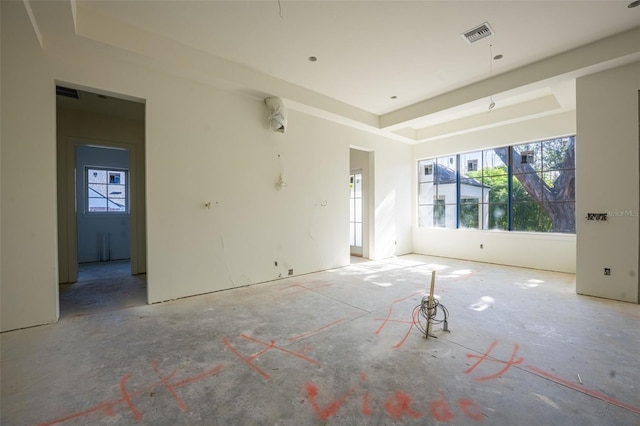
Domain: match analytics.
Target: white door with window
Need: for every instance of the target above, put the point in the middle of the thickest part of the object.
(355, 212)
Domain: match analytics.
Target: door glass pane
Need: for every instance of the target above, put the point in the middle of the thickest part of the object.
(355, 210)
(352, 234)
(358, 242)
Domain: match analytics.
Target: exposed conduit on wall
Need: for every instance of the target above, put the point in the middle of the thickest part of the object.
(277, 114)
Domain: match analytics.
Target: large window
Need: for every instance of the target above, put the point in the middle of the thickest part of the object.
(526, 187)
(106, 190)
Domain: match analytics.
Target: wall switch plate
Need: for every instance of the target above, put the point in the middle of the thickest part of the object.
(290, 271)
(607, 271)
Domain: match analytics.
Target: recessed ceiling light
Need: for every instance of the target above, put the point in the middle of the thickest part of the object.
(394, 97)
(634, 4)
(312, 59)
(498, 57)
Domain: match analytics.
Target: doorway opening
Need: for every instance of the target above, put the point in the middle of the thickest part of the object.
(101, 211)
(360, 188)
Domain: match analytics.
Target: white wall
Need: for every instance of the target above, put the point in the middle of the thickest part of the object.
(29, 246)
(202, 145)
(555, 252)
(607, 180)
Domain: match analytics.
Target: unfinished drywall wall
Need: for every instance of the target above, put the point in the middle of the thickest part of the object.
(607, 181)
(216, 217)
(555, 252)
(29, 246)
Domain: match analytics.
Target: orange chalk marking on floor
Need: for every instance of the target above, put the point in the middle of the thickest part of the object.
(317, 330)
(329, 410)
(484, 357)
(399, 405)
(388, 319)
(582, 389)
(302, 356)
(127, 398)
(470, 409)
(169, 386)
(108, 407)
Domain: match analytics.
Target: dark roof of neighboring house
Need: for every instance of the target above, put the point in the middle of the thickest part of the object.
(446, 175)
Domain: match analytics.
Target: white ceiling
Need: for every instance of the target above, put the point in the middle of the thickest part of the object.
(369, 51)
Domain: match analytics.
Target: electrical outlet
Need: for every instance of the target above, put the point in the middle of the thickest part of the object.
(275, 263)
(607, 271)
(481, 246)
(290, 272)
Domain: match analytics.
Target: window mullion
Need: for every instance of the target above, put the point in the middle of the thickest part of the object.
(457, 191)
(509, 188)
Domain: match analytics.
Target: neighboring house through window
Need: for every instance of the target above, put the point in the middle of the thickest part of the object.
(525, 187)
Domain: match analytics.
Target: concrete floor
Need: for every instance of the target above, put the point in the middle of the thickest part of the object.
(336, 347)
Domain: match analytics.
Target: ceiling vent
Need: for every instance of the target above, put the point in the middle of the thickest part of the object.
(477, 33)
(65, 91)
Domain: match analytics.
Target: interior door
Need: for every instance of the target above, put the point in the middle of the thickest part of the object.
(355, 212)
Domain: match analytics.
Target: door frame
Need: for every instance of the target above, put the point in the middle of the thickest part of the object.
(364, 159)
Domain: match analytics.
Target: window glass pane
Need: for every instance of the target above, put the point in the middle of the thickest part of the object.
(115, 206)
(496, 189)
(470, 213)
(526, 158)
(351, 186)
(495, 161)
(116, 191)
(358, 217)
(426, 193)
(558, 154)
(495, 216)
(450, 215)
(116, 178)
(425, 171)
(97, 204)
(446, 169)
(97, 190)
(471, 164)
(561, 184)
(562, 216)
(358, 186)
(352, 234)
(529, 216)
(358, 236)
(96, 176)
(526, 188)
(439, 214)
(425, 215)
